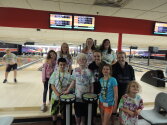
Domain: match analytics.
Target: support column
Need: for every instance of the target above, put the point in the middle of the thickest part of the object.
(119, 42)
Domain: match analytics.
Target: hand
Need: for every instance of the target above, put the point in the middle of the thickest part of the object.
(137, 112)
(131, 113)
(115, 109)
(58, 95)
(66, 92)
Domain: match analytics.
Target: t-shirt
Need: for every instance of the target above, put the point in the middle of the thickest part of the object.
(90, 57)
(97, 73)
(83, 79)
(132, 104)
(61, 80)
(10, 58)
(69, 61)
(107, 90)
(108, 57)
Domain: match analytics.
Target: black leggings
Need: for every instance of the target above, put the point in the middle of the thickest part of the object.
(45, 91)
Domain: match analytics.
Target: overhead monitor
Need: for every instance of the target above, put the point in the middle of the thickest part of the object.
(62, 21)
(160, 28)
(84, 22)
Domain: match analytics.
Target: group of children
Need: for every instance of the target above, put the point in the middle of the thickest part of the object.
(83, 80)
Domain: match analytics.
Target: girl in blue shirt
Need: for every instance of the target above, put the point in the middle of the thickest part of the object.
(108, 95)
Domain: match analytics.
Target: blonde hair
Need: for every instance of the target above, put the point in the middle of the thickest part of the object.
(81, 56)
(68, 53)
(129, 85)
(7, 49)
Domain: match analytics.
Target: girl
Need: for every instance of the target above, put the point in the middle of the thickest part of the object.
(108, 94)
(88, 50)
(108, 54)
(64, 53)
(47, 70)
(130, 105)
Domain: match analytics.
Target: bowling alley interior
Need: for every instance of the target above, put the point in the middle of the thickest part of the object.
(30, 29)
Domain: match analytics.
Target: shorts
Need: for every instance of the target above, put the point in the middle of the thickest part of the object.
(56, 107)
(11, 67)
(81, 109)
(108, 109)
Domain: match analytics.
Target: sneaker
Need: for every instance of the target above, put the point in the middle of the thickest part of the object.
(44, 108)
(5, 80)
(15, 80)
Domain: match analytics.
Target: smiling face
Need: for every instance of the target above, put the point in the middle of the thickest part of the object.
(53, 55)
(134, 88)
(89, 42)
(82, 61)
(106, 44)
(121, 59)
(64, 48)
(106, 70)
(97, 57)
(62, 66)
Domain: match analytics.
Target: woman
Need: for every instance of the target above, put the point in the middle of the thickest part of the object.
(108, 55)
(64, 53)
(88, 50)
(47, 70)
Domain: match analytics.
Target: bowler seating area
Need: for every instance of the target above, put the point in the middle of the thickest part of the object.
(157, 115)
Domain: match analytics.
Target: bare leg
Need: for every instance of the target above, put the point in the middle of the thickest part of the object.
(54, 118)
(78, 120)
(106, 118)
(102, 115)
(15, 74)
(82, 120)
(6, 75)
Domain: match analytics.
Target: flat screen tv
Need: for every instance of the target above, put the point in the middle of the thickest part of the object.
(160, 28)
(62, 21)
(84, 22)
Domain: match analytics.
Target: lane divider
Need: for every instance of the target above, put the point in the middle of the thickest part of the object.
(28, 64)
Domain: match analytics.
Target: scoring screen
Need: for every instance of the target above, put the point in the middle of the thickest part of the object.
(60, 21)
(84, 22)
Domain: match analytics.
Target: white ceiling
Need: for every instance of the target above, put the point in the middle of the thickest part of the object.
(139, 9)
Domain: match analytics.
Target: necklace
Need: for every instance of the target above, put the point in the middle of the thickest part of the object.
(104, 89)
(60, 80)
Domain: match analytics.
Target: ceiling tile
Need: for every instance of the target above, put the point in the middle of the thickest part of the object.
(162, 8)
(105, 11)
(79, 1)
(151, 15)
(163, 19)
(144, 4)
(44, 5)
(128, 13)
(15, 3)
(74, 8)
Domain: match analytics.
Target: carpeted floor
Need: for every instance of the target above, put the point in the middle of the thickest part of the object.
(98, 122)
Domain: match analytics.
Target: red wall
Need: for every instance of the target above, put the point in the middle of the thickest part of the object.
(14, 17)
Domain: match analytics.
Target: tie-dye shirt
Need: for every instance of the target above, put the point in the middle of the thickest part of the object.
(61, 80)
(108, 58)
(132, 104)
(83, 79)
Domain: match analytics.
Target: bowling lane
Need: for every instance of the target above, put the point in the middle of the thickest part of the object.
(26, 93)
